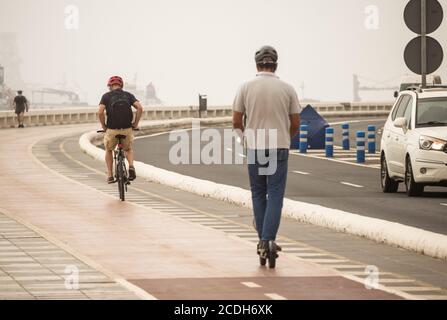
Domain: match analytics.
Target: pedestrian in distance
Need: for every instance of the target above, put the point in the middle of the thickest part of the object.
(116, 118)
(21, 106)
(269, 104)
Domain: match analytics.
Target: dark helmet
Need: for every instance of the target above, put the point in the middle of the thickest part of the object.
(115, 80)
(20, 92)
(266, 55)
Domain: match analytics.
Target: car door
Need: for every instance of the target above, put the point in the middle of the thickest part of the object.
(402, 135)
(392, 136)
(387, 129)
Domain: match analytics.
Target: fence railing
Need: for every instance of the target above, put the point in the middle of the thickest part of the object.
(44, 117)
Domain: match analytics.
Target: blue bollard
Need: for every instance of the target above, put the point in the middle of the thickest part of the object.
(329, 142)
(345, 134)
(361, 146)
(372, 139)
(304, 130)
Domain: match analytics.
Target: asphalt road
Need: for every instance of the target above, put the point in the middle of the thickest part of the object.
(331, 184)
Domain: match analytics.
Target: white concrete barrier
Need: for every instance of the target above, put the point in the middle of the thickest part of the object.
(46, 117)
(382, 231)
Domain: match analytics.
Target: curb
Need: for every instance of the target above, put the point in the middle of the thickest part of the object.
(382, 231)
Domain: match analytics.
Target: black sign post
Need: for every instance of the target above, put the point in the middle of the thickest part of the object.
(424, 42)
(203, 104)
(423, 55)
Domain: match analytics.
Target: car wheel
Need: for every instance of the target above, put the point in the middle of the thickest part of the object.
(388, 185)
(413, 189)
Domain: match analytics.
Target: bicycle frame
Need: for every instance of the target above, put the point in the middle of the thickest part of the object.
(121, 170)
(121, 174)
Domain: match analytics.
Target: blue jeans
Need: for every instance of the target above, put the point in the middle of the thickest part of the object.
(268, 190)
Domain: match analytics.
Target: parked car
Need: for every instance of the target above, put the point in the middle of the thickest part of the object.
(414, 141)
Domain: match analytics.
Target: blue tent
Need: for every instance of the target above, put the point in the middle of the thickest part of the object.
(317, 129)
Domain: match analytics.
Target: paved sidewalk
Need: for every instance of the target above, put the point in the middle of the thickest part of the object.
(155, 250)
(31, 267)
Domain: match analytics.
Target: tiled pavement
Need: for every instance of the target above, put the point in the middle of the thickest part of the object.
(31, 267)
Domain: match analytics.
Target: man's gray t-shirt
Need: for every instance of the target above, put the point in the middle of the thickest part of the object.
(268, 102)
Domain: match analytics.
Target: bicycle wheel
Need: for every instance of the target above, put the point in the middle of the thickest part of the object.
(121, 182)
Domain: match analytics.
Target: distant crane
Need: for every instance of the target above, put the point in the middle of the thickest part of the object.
(357, 87)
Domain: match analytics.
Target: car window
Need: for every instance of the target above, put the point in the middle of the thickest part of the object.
(407, 114)
(432, 112)
(401, 107)
(396, 107)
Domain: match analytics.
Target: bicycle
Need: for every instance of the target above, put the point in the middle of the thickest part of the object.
(121, 175)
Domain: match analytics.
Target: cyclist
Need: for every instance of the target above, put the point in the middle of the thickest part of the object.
(21, 105)
(117, 105)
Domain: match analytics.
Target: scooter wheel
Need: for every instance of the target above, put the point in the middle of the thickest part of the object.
(272, 262)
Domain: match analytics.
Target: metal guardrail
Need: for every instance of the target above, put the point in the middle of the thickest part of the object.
(61, 116)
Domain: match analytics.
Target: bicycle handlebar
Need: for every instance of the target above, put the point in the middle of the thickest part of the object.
(103, 131)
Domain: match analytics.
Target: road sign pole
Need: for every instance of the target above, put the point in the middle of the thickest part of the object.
(423, 55)
(424, 42)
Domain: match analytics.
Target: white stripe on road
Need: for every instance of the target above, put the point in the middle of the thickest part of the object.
(251, 284)
(239, 154)
(301, 172)
(351, 185)
(444, 204)
(275, 296)
(357, 121)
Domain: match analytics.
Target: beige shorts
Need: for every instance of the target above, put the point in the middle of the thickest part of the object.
(110, 141)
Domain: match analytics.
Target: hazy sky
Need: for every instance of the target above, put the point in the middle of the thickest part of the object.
(191, 46)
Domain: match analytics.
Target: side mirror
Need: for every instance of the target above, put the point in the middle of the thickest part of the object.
(396, 94)
(400, 123)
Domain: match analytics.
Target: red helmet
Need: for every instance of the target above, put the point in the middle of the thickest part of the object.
(115, 80)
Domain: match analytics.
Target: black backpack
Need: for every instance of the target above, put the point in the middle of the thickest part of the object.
(119, 111)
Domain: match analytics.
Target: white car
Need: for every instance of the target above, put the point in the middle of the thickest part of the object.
(414, 142)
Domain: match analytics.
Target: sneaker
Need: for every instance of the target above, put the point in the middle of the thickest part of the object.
(262, 249)
(276, 248)
(132, 174)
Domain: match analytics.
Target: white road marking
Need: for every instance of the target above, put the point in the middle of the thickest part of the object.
(355, 158)
(239, 154)
(444, 204)
(433, 297)
(312, 254)
(362, 273)
(328, 262)
(301, 172)
(334, 160)
(352, 185)
(417, 289)
(251, 284)
(357, 121)
(396, 280)
(275, 296)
